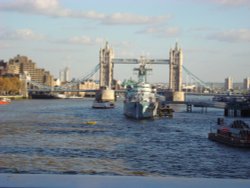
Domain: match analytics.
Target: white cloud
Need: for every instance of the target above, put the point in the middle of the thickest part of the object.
(4, 46)
(226, 3)
(239, 35)
(161, 31)
(91, 15)
(126, 18)
(54, 9)
(82, 40)
(232, 2)
(202, 51)
(124, 44)
(21, 34)
(30, 6)
(28, 34)
(100, 41)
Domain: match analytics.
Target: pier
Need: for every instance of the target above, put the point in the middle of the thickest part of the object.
(237, 109)
(200, 104)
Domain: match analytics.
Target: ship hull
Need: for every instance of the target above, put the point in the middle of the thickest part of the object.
(140, 110)
(42, 96)
(235, 142)
(46, 96)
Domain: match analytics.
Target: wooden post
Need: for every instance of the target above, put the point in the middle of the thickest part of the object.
(189, 107)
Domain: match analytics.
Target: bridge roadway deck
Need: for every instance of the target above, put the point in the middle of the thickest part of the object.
(63, 90)
(211, 104)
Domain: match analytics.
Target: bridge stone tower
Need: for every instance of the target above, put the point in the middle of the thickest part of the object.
(106, 55)
(175, 74)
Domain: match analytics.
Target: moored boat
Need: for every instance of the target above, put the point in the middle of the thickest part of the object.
(60, 96)
(103, 105)
(74, 97)
(5, 101)
(236, 134)
(45, 95)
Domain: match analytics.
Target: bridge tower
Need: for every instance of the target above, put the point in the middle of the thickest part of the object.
(175, 74)
(106, 55)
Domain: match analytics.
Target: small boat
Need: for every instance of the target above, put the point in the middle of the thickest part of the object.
(74, 97)
(236, 134)
(5, 101)
(165, 111)
(103, 104)
(90, 122)
(60, 96)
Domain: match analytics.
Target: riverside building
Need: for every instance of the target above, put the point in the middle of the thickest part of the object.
(228, 84)
(64, 75)
(246, 83)
(21, 64)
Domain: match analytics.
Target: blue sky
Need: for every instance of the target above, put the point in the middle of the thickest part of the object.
(213, 34)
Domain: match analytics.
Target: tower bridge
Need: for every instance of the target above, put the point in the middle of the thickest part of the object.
(176, 68)
(105, 67)
(175, 61)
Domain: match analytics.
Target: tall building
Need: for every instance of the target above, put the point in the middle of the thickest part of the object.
(21, 64)
(246, 83)
(64, 75)
(61, 75)
(228, 84)
(67, 74)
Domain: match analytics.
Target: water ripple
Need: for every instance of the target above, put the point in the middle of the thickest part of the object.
(51, 136)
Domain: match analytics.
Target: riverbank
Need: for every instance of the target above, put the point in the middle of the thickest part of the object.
(13, 97)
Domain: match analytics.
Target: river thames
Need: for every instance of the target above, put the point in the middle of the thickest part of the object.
(52, 137)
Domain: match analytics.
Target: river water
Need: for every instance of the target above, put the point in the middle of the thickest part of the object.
(52, 137)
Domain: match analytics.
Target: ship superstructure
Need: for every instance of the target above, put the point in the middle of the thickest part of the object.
(141, 101)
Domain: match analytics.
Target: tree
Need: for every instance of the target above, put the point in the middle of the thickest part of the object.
(10, 86)
(1, 86)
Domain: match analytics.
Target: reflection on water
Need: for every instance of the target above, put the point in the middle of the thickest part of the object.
(51, 136)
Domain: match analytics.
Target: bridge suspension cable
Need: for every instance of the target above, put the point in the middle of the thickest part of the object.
(84, 78)
(67, 85)
(39, 85)
(88, 76)
(194, 77)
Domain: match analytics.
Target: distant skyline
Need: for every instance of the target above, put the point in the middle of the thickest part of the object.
(213, 34)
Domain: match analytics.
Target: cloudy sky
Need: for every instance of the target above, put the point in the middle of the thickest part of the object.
(213, 34)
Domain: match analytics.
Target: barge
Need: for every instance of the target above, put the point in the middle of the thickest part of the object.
(237, 134)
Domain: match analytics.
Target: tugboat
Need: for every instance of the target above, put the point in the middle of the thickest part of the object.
(141, 101)
(236, 134)
(104, 98)
(165, 111)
